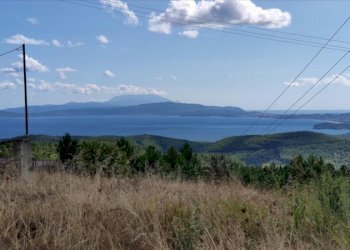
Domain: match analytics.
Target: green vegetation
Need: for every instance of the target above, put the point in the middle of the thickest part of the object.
(5, 151)
(122, 156)
(138, 196)
(253, 150)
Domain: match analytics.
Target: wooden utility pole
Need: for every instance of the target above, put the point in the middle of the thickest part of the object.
(25, 88)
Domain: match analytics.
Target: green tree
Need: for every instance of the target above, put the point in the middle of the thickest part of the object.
(152, 156)
(191, 165)
(172, 160)
(186, 152)
(125, 146)
(67, 148)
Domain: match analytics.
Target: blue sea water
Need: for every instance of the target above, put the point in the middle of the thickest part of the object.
(190, 128)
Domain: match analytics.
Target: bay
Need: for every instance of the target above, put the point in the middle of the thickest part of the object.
(190, 128)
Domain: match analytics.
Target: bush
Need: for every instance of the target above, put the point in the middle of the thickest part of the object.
(103, 158)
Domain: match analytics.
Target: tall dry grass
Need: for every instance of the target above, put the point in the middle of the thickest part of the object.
(63, 211)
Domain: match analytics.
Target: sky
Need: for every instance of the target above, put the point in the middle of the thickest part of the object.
(185, 50)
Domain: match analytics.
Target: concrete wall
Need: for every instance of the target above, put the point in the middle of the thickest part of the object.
(22, 154)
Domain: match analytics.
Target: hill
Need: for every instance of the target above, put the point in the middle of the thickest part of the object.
(255, 150)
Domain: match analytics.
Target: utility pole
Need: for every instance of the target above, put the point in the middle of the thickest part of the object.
(24, 144)
(25, 88)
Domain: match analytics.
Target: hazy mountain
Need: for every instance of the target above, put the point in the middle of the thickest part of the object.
(117, 101)
(165, 108)
(131, 100)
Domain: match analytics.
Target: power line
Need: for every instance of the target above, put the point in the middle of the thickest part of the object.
(297, 76)
(309, 100)
(303, 95)
(252, 34)
(230, 24)
(10, 51)
(233, 24)
(221, 23)
(258, 36)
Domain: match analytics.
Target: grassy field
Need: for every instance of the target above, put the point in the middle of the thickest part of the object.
(64, 211)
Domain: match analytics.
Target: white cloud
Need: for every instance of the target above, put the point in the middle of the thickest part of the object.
(32, 65)
(215, 13)
(71, 44)
(308, 81)
(10, 71)
(102, 39)
(94, 89)
(109, 73)
(67, 87)
(135, 90)
(173, 77)
(157, 24)
(21, 39)
(303, 81)
(121, 7)
(19, 81)
(33, 20)
(62, 72)
(7, 85)
(56, 43)
(159, 78)
(189, 33)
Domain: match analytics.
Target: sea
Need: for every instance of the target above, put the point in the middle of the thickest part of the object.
(190, 128)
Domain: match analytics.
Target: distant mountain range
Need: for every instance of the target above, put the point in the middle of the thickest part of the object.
(118, 101)
(130, 105)
(157, 105)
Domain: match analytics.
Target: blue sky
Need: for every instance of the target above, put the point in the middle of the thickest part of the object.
(79, 53)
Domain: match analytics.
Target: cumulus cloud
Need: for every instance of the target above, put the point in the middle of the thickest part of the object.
(159, 78)
(56, 43)
(109, 73)
(343, 80)
(33, 20)
(303, 81)
(94, 89)
(121, 6)
(309, 81)
(21, 39)
(10, 71)
(102, 39)
(173, 77)
(136, 90)
(32, 64)
(215, 13)
(189, 33)
(66, 87)
(7, 85)
(62, 72)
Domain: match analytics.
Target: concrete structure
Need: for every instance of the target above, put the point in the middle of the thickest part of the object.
(22, 154)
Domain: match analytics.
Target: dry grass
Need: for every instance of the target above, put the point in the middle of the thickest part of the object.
(62, 211)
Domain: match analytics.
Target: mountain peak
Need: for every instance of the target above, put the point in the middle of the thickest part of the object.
(131, 100)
